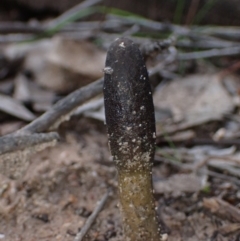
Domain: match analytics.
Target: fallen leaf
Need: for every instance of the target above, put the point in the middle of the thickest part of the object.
(177, 184)
(64, 64)
(21, 90)
(193, 101)
(14, 108)
(222, 209)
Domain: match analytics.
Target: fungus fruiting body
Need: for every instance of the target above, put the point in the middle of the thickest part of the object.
(131, 130)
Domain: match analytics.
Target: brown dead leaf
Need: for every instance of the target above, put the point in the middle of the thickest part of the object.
(193, 101)
(41, 98)
(21, 90)
(64, 64)
(29, 91)
(222, 209)
(14, 108)
(177, 184)
(229, 229)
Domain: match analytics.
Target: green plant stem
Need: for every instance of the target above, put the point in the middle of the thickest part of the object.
(179, 11)
(202, 12)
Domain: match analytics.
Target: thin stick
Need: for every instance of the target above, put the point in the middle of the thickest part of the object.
(64, 107)
(27, 136)
(15, 38)
(224, 177)
(60, 112)
(157, 46)
(13, 142)
(70, 12)
(24, 28)
(92, 218)
(19, 27)
(210, 53)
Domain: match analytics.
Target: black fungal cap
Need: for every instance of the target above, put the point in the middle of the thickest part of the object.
(128, 106)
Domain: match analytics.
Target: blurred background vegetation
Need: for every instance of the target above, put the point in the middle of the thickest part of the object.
(213, 12)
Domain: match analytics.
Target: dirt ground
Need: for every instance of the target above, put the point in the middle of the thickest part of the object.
(194, 73)
(60, 190)
(63, 185)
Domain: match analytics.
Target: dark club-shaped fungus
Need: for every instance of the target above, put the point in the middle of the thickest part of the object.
(131, 131)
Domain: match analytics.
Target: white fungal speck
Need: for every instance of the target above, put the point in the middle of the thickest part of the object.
(154, 135)
(150, 93)
(164, 237)
(133, 140)
(108, 70)
(129, 128)
(134, 112)
(142, 107)
(140, 125)
(122, 45)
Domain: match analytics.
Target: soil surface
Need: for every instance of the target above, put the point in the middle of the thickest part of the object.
(63, 185)
(197, 104)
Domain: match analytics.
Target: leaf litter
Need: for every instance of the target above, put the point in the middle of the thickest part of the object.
(196, 169)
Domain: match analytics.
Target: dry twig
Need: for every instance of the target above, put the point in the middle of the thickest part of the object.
(63, 108)
(51, 119)
(29, 136)
(222, 208)
(210, 53)
(20, 142)
(70, 12)
(92, 217)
